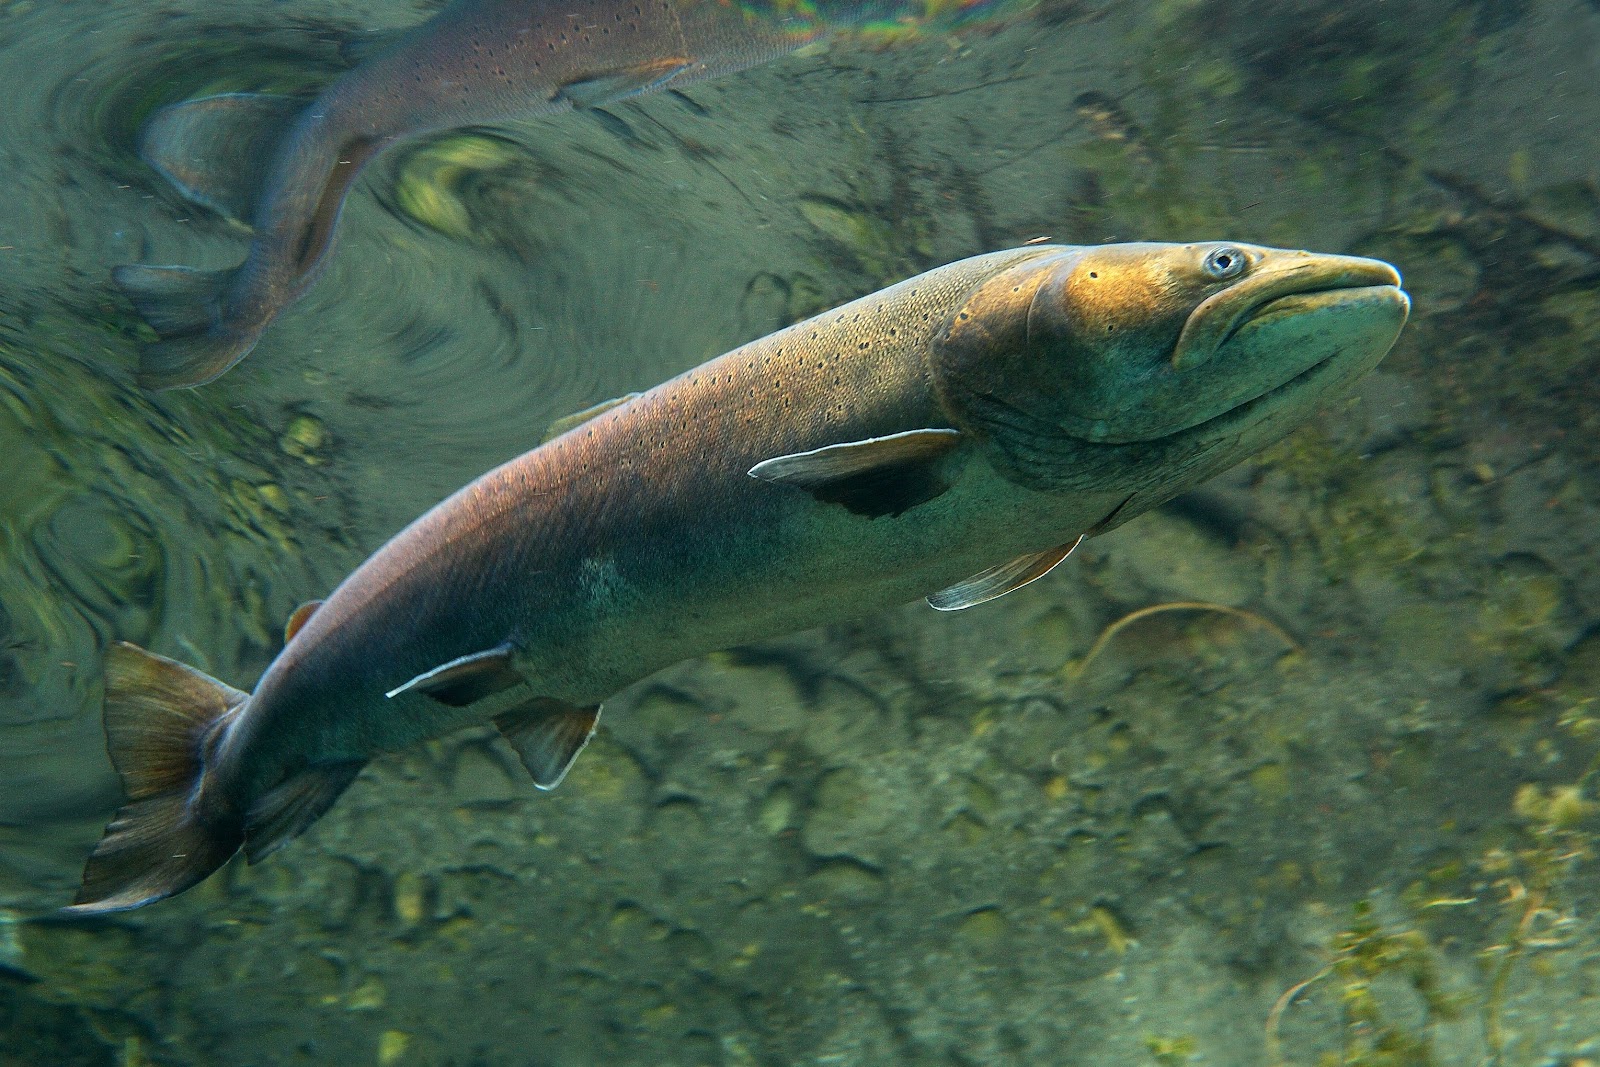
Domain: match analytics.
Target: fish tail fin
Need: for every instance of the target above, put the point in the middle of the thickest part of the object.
(158, 715)
(216, 149)
(174, 300)
(183, 306)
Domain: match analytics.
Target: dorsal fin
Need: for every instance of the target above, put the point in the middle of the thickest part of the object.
(998, 581)
(878, 476)
(578, 418)
(365, 47)
(298, 618)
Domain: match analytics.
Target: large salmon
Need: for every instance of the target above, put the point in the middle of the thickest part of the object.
(953, 435)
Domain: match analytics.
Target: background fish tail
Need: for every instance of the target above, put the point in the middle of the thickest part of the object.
(158, 714)
(183, 306)
(215, 150)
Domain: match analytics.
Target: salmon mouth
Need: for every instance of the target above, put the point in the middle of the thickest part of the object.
(1312, 301)
(1373, 316)
(1220, 317)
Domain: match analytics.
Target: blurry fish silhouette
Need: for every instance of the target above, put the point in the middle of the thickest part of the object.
(285, 166)
(958, 432)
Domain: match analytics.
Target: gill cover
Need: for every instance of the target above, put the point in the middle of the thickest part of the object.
(990, 380)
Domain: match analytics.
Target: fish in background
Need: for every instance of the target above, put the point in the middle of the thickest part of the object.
(285, 166)
(953, 436)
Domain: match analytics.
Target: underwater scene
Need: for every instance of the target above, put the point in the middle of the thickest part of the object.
(1025, 531)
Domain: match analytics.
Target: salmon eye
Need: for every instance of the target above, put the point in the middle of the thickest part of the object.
(1224, 263)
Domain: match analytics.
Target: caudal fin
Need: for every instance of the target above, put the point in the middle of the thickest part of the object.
(184, 306)
(158, 713)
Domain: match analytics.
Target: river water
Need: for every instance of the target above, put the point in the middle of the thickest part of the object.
(1366, 759)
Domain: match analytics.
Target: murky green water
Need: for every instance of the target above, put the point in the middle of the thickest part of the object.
(1340, 809)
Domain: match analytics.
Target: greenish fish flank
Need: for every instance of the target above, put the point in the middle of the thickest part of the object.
(284, 165)
(952, 436)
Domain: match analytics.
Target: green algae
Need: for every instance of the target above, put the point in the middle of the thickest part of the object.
(41, 1032)
(877, 243)
(436, 184)
(1570, 338)
(115, 486)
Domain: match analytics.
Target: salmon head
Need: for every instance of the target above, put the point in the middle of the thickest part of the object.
(1149, 367)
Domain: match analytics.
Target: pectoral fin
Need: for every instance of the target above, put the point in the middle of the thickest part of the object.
(214, 150)
(879, 476)
(998, 581)
(578, 418)
(466, 680)
(548, 735)
(606, 86)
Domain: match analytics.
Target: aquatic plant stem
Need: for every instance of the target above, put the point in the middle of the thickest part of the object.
(1077, 670)
(1274, 1045)
(1493, 1034)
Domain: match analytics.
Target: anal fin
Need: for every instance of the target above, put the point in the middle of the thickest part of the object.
(998, 581)
(466, 679)
(547, 736)
(287, 810)
(878, 476)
